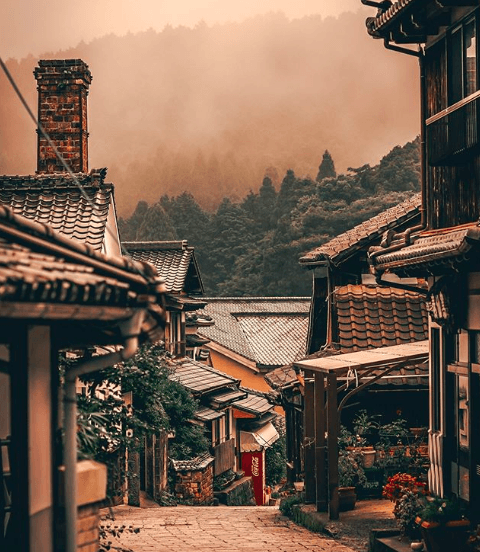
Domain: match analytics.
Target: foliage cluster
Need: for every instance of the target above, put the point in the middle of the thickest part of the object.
(287, 504)
(107, 423)
(408, 493)
(441, 510)
(350, 469)
(252, 246)
(275, 458)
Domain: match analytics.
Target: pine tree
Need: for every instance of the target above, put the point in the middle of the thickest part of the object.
(326, 168)
(156, 225)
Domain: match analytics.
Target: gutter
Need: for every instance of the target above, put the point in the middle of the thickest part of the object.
(130, 330)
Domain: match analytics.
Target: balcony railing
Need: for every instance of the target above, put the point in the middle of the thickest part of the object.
(454, 134)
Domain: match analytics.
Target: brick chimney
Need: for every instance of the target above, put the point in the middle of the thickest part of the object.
(62, 111)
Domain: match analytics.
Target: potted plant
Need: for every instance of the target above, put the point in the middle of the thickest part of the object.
(350, 474)
(408, 493)
(443, 525)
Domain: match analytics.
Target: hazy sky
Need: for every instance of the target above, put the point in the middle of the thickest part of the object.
(37, 26)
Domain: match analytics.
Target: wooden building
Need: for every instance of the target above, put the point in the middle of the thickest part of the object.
(350, 312)
(444, 248)
(251, 336)
(58, 294)
(176, 263)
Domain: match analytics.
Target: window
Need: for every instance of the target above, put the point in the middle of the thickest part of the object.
(177, 337)
(462, 62)
(462, 412)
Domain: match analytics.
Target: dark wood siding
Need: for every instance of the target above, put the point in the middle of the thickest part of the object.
(436, 79)
(453, 194)
(453, 186)
(224, 456)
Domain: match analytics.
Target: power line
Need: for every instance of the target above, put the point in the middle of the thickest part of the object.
(59, 156)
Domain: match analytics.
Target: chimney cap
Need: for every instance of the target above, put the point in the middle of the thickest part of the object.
(53, 69)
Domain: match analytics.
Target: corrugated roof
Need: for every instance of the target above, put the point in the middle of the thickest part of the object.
(431, 250)
(55, 200)
(270, 331)
(344, 363)
(199, 378)
(175, 263)
(344, 245)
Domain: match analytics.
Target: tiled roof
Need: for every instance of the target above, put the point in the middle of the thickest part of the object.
(55, 200)
(198, 463)
(199, 378)
(223, 398)
(270, 331)
(375, 24)
(361, 236)
(45, 275)
(175, 263)
(282, 377)
(374, 316)
(432, 250)
(368, 317)
(207, 414)
(255, 403)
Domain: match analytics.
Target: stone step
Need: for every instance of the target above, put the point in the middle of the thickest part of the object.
(388, 541)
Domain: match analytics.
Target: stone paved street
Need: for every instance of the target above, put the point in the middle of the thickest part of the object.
(221, 528)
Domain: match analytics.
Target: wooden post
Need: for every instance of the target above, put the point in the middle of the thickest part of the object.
(332, 446)
(320, 450)
(309, 439)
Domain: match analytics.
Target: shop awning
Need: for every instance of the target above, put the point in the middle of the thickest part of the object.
(258, 439)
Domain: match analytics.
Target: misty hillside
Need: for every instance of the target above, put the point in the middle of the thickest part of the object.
(211, 110)
(252, 247)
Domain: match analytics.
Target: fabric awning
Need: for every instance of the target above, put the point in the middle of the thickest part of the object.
(258, 439)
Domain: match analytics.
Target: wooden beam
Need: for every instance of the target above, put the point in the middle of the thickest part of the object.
(60, 311)
(320, 442)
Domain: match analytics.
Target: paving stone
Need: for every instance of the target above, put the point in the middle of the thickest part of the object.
(229, 529)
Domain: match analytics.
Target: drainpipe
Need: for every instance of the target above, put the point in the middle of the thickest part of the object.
(130, 331)
(404, 238)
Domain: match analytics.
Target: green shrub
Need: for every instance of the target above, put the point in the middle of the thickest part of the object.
(286, 504)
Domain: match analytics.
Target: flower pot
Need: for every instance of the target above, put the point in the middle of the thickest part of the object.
(347, 498)
(445, 537)
(368, 457)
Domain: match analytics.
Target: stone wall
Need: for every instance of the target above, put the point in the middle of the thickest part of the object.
(194, 480)
(239, 493)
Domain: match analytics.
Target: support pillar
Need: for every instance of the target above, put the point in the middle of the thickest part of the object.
(309, 439)
(320, 442)
(332, 444)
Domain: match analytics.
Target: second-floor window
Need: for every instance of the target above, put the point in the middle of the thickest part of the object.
(462, 61)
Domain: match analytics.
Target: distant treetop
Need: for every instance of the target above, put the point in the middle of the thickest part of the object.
(326, 168)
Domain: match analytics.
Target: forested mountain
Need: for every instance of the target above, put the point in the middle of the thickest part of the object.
(209, 109)
(252, 247)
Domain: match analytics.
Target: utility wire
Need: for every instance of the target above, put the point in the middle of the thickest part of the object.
(60, 158)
